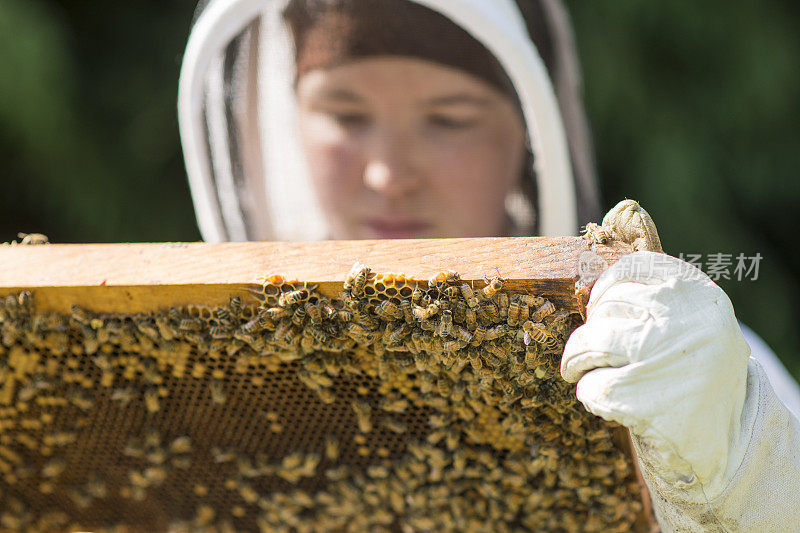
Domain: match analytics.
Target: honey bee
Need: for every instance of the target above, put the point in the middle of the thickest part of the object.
(358, 332)
(389, 311)
(408, 314)
(299, 316)
(314, 313)
(310, 463)
(545, 310)
(175, 314)
(451, 347)
(218, 332)
(459, 309)
(318, 335)
(445, 323)
(338, 474)
(222, 456)
(250, 326)
(293, 297)
(25, 301)
(363, 318)
(531, 300)
(444, 386)
(53, 468)
(81, 500)
(165, 328)
(204, 515)
(490, 311)
(596, 232)
(514, 311)
(503, 302)
(291, 468)
(468, 294)
(80, 401)
(538, 332)
(461, 334)
(190, 324)
(248, 493)
(377, 471)
(182, 462)
(499, 350)
(424, 313)
(272, 315)
(452, 436)
(235, 306)
(181, 445)
(151, 400)
(531, 357)
(394, 405)
(492, 287)
(416, 296)
(424, 361)
(471, 318)
(224, 314)
(331, 449)
(155, 475)
(394, 425)
(327, 310)
(478, 335)
(443, 278)
(398, 335)
(363, 416)
(344, 316)
(428, 325)
(33, 238)
(80, 316)
(349, 280)
(452, 293)
(496, 332)
(148, 328)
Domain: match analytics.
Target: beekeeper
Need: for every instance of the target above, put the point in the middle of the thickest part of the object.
(350, 119)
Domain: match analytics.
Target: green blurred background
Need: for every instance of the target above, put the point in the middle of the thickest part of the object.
(693, 107)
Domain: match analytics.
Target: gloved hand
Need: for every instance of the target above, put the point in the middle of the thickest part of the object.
(662, 353)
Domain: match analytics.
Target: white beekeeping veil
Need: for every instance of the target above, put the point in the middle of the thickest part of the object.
(238, 122)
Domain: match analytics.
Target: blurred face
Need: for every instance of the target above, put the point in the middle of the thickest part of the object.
(405, 148)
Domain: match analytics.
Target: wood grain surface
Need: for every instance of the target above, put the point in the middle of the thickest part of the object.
(132, 278)
(143, 277)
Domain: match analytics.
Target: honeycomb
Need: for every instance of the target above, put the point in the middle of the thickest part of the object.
(403, 405)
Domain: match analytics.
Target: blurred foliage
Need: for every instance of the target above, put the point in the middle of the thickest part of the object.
(88, 125)
(692, 105)
(694, 109)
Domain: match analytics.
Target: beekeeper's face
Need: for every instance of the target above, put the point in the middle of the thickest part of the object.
(406, 148)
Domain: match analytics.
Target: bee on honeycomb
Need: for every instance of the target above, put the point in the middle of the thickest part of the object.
(400, 404)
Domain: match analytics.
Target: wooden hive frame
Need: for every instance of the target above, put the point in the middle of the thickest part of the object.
(145, 278)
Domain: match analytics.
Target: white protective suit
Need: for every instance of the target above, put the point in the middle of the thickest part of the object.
(740, 471)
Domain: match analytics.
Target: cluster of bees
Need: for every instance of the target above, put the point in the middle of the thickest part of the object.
(400, 405)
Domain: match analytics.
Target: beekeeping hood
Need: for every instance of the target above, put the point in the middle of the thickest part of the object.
(238, 127)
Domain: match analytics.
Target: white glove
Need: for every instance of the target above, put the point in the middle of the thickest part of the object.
(662, 353)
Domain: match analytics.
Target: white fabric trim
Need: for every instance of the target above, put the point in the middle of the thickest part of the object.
(215, 28)
(295, 212)
(218, 132)
(784, 385)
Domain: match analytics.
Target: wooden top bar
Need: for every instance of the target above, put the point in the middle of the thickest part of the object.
(141, 277)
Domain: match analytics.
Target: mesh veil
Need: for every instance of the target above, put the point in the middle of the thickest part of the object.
(238, 121)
